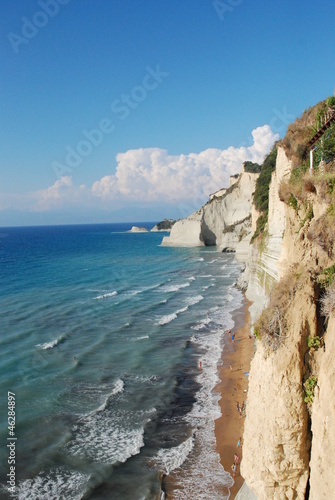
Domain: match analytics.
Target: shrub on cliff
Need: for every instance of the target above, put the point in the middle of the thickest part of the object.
(272, 325)
(253, 168)
(261, 194)
(328, 301)
(322, 233)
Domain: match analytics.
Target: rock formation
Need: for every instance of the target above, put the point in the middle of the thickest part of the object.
(225, 221)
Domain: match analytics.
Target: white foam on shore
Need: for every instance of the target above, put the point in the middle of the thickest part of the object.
(202, 476)
(169, 459)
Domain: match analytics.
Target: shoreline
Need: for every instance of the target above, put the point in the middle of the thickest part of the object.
(233, 382)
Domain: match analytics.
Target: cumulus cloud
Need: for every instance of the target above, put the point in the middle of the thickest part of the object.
(152, 174)
(62, 192)
(150, 177)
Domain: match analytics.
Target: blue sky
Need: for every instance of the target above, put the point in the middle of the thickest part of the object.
(176, 88)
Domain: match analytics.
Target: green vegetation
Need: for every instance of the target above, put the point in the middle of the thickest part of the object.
(314, 342)
(325, 148)
(293, 202)
(331, 101)
(251, 167)
(327, 277)
(261, 194)
(272, 326)
(257, 332)
(309, 216)
(309, 387)
(260, 226)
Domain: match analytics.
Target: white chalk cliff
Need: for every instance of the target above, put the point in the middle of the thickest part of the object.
(225, 221)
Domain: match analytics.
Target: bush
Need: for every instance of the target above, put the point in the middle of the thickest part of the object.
(328, 301)
(325, 149)
(260, 226)
(272, 325)
(261, 194)
(327, 277)
(314, 342)
(293, 202)
(253, 168)
(322, 233)
(331, 101)
(309, 387)
(302, 151)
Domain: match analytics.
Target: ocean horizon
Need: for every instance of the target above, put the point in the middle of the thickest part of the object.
(111, 344)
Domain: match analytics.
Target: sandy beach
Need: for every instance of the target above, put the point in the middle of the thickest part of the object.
(236, 357)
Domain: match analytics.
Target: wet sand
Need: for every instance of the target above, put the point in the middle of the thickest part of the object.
(233, 387)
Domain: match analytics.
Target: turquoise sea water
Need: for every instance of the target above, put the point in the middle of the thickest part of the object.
(101, 339)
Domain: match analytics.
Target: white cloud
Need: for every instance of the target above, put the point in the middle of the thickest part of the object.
(63, 192)
(152, 175)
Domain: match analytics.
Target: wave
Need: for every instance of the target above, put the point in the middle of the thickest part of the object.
(164, 320)
(172, 458)
(55, 484)
(191, 301)
(203, 476)
(106, 295)
(182, 310)
(119, 386)
(206, 276)
(141, 338)
(174, 288)
(53, 343)
(106, 436)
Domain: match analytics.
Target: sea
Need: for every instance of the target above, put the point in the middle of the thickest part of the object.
(110, 346)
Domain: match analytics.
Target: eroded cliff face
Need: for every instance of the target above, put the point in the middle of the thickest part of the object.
(263, 269)
(286, 451)
(225, 221)
(276, 435)
(322, 462)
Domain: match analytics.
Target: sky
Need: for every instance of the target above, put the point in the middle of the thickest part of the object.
(120, 110)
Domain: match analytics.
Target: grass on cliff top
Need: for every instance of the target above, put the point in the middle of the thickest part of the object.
(302, 130)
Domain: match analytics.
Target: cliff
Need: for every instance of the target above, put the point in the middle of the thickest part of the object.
(289, 446)
(225, 221)
(281, 222)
